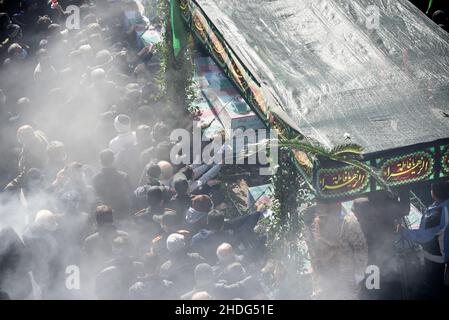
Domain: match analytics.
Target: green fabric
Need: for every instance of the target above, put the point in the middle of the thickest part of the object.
(178, 28)
(430, 6)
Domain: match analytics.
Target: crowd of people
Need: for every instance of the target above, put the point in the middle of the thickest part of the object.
(86, 168)
(95, 207)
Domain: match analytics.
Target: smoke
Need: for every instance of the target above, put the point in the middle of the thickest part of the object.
(65, 102)
(74, 90)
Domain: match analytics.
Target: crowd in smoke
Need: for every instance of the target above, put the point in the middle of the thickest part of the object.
(89, 191)
(88, 187)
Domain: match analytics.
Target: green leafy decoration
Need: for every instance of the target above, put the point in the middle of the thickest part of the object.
(350, 154)
(348, 150)
(338, 154)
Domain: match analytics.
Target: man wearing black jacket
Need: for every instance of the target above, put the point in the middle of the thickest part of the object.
(113, 187)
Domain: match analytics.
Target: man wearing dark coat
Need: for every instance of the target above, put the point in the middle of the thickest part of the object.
(113, 187)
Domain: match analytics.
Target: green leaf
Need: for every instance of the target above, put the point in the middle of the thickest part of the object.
(348, 149)
(348, 153)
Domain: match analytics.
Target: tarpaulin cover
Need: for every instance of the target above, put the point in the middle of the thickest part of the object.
(337, 74)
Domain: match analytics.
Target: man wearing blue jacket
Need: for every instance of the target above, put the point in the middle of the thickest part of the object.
(433, 236)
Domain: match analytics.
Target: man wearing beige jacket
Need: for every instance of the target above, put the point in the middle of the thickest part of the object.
(338, 251)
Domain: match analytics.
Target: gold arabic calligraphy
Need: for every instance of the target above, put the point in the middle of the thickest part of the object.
(344, 179)
(407, 168)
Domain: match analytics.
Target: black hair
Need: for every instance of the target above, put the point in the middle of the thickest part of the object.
(187, 171)
(215, 220)
(440, 190)
(160, 131)
(103, 215)
(154, 196)
(439, 17)
(181, 186)
(4, 20)
(153, 171)
(106, 158)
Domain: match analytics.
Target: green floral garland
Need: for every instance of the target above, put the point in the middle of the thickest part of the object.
(175, 78)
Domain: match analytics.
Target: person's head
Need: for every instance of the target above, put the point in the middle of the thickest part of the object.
(107, 158)
(87, 54)
(154, 197)
(187, 171)
(104, 216)
(150, 89)
(93, 28)
(43, 22)
(380, 198)
(122, 123)
(225, 253)
(163, 150)
(145, 114)
(215, 220)
(440, 191)
(175, 243)
(169, 220)
(43, 44)
(440, 17)
(153, 171)
(160, 132)
(204, 275)
(181, 187)
(326, 208)
(166, 170)
(16, 52)
(46, 220)
(71, 202)
(74, 172)
(131, 5)
(106, 121)
(26, 135)
(44, 57)
(98, 76)
(121, 246)
(143, 135)
(89, 18)
(133, 96)
(103, 58)
(14, 32)
(202, 203)
(234, 272)
(54, 31)
(4, 20)
(56, 152)
(201, 295)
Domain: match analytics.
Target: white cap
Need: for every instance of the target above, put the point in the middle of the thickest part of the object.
(122, 123)
(175, 242)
